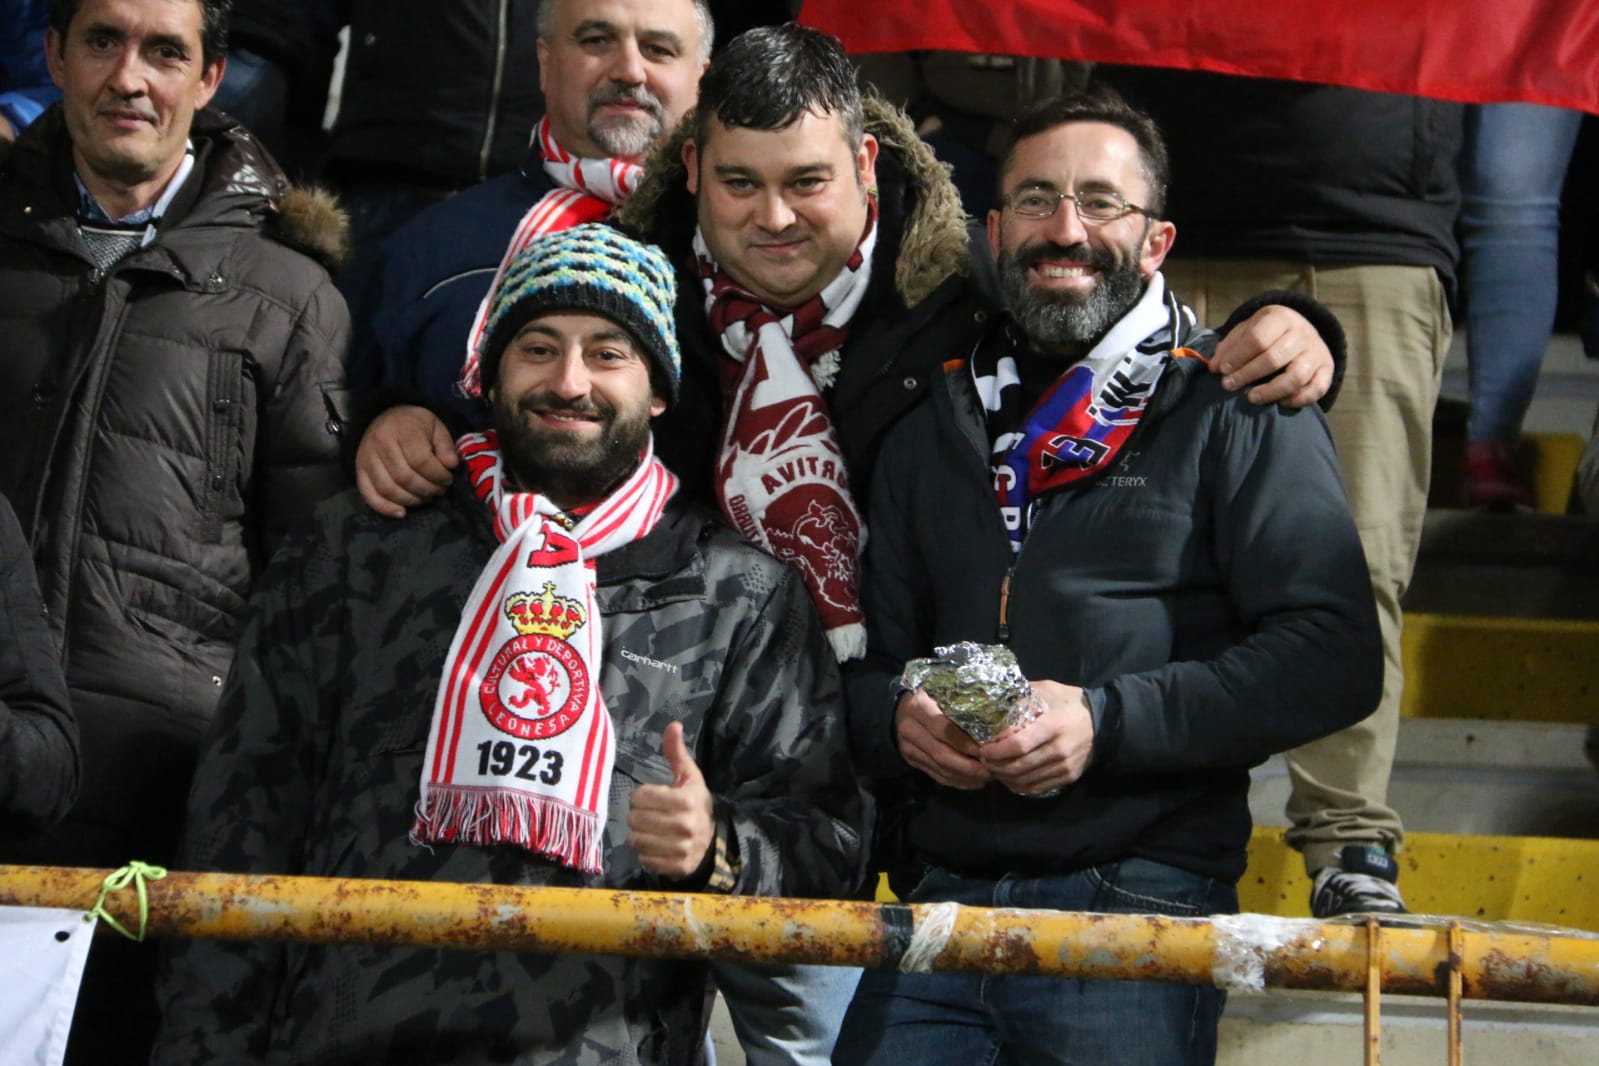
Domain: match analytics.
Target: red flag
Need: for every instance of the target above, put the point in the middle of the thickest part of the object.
(1541, 51)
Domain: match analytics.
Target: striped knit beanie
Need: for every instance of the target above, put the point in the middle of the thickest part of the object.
(590, 268)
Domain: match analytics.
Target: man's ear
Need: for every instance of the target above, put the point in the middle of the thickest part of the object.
(691, 163)
(993, 233)
(543, 51)
(657, 404)
(210, 80)
(866, 161)
(54, 48)
(1157, 245)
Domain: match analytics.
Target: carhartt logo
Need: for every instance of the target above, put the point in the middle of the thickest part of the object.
(645, 660)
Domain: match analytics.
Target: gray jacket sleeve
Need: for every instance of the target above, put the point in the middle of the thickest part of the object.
(780, 768)
(38, 733)
(249, 809)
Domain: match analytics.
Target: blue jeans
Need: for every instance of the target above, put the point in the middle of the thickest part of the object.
(785, 1015)
(983, 1020)
(1512, 167)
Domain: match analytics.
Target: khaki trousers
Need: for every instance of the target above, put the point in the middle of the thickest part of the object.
(1397, 322)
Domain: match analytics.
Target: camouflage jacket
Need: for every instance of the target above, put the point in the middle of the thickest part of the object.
(314, 764)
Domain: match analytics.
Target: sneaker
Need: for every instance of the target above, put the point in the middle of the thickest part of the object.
(1491, 477)
(1361, 883)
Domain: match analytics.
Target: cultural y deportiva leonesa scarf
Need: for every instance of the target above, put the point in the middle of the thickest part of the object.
(586, 191)
(520, 750)
(1080, 423)
(780, 476)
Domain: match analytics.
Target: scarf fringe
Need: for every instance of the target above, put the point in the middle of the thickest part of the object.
(468, 815)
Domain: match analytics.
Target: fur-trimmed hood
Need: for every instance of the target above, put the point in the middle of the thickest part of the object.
(913, 186)
(241, 185)
(310, 220)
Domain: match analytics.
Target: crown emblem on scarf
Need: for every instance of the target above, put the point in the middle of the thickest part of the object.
(546, 613)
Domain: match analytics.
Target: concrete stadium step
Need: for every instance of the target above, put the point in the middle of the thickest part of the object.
(1552, 460)
(1487, 878)
(1493, 778)
(1327, 1029)
(1518, 669)
(1502, 618)
(1516, 565)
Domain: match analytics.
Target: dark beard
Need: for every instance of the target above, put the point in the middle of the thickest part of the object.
(559, 466)
(1052, 321)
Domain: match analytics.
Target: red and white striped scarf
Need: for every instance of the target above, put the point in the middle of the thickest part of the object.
(520, 748)
(780, 477)
(586, 191)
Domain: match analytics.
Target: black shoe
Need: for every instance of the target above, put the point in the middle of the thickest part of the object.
(1363, 882)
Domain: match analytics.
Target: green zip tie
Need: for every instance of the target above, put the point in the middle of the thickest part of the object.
(136, 872)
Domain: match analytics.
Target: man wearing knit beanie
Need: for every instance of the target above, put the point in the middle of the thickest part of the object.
(578, 354)
(561, 673)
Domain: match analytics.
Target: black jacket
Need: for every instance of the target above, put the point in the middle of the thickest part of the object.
(1209, 589)
(442, 93)
(1266, 169)
(38, 735)
(169, 419)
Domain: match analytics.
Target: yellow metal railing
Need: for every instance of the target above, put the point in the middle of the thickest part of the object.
(1524, 964)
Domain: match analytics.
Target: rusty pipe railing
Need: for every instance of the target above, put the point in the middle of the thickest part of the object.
(1242, 952)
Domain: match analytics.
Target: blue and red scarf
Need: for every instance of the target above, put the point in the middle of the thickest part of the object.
(1080, 423)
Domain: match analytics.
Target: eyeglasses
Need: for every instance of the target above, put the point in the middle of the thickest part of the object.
(1095, 206)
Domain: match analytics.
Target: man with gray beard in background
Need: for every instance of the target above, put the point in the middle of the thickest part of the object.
(615, 74)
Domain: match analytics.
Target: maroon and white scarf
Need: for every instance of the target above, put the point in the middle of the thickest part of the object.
(586, 191)
(780, 476)
(520, 749)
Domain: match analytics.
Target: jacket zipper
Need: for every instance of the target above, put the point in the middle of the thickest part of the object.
(494, 100)
(1030, 517)
(1003, 631)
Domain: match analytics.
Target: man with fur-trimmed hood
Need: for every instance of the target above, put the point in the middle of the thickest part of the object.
(170, 377)
(821, 253)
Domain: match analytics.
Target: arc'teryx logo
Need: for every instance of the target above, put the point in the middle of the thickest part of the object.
(1122, 479)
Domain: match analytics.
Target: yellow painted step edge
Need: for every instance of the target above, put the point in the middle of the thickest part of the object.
(1518, 669)
(1488, 878)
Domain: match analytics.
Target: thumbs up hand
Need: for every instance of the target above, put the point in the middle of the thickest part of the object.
(672, 826)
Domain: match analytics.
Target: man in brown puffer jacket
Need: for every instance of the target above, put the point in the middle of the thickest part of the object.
(171, 363)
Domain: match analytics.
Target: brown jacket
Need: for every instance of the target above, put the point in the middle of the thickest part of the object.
(167, 420)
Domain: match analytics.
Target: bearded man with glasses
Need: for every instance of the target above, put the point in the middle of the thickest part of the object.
(1175, 570)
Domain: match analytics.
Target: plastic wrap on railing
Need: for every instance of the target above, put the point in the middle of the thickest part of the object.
(1243, 942)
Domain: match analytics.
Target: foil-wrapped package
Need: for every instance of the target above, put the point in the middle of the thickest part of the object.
(979, 687)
